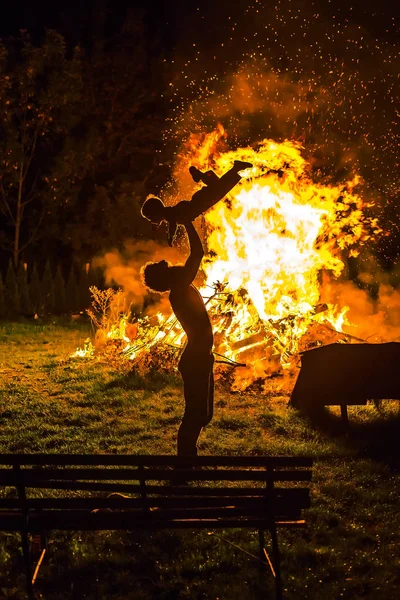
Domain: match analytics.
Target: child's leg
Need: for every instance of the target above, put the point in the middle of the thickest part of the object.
(209, 195)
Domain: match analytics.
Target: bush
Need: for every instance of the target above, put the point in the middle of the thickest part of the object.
(23, 289)
(72, 292)
(35, 292)
(60, 299)
(47, 288)
(13, 306)
(2, 298)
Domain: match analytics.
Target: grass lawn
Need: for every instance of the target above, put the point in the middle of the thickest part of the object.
(350, 549)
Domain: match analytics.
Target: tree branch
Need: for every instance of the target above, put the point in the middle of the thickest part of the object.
(32, 193)
(34, 232)
(32, 152)
(6, 203)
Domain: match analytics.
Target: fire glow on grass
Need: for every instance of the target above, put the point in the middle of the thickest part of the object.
(269, 245)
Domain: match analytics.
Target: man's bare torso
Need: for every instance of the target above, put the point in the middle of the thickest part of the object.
(189, 309)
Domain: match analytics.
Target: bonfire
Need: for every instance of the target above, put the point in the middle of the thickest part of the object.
(271, 245)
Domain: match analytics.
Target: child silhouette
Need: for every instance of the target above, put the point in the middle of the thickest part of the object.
(215, 189)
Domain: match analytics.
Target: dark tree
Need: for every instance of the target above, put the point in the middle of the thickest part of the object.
(22, 282)
(72, 292)
(2, 298)
(35, 291)
(47, 288)
(84, 293)
(13, 306)
(60, 301)
(106, 172)
(80, 139)
(40, 92)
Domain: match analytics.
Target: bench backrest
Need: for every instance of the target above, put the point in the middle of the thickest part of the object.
(225, 491)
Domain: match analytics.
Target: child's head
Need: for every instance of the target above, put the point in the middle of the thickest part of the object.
(156, 276)
(153, 209)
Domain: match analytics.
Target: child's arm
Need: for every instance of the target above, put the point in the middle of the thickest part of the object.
(179, 213)
(170, 219)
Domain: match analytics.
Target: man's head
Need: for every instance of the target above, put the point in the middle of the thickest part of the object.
(157, 276)
(153, 209)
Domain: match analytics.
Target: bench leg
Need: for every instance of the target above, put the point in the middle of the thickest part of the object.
(261, 541)
(343, 411)
(27, 565)
(264, 556)
(39, 548)
(277, 563)
(273, 564)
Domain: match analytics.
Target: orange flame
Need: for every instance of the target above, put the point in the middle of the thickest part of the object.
(268, 244)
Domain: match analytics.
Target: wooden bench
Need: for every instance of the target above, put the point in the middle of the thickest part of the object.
(45, 492)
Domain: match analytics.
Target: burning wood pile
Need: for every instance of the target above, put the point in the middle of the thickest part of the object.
(273, 245)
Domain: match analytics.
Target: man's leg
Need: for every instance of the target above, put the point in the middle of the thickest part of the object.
(198, 410)
(210, 411)
(188, 434)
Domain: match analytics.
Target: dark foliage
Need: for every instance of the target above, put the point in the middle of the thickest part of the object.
(81, 128)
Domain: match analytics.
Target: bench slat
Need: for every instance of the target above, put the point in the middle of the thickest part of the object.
(130, 488)
(29, 477)
(152, 460)
(298, 498)
(85, 521)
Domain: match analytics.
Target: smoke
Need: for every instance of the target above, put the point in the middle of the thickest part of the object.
(122, 269)
(370, 318)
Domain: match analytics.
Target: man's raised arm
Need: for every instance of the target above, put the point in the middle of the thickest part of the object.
(193, 262)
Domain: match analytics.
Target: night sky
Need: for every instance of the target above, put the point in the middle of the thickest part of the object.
(322, 72)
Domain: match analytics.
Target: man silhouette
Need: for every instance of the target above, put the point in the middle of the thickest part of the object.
(196, 363)
(215, 189)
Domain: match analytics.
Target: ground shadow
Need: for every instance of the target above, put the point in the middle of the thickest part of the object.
(154, 382)
(376, 438)
(150, 566)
